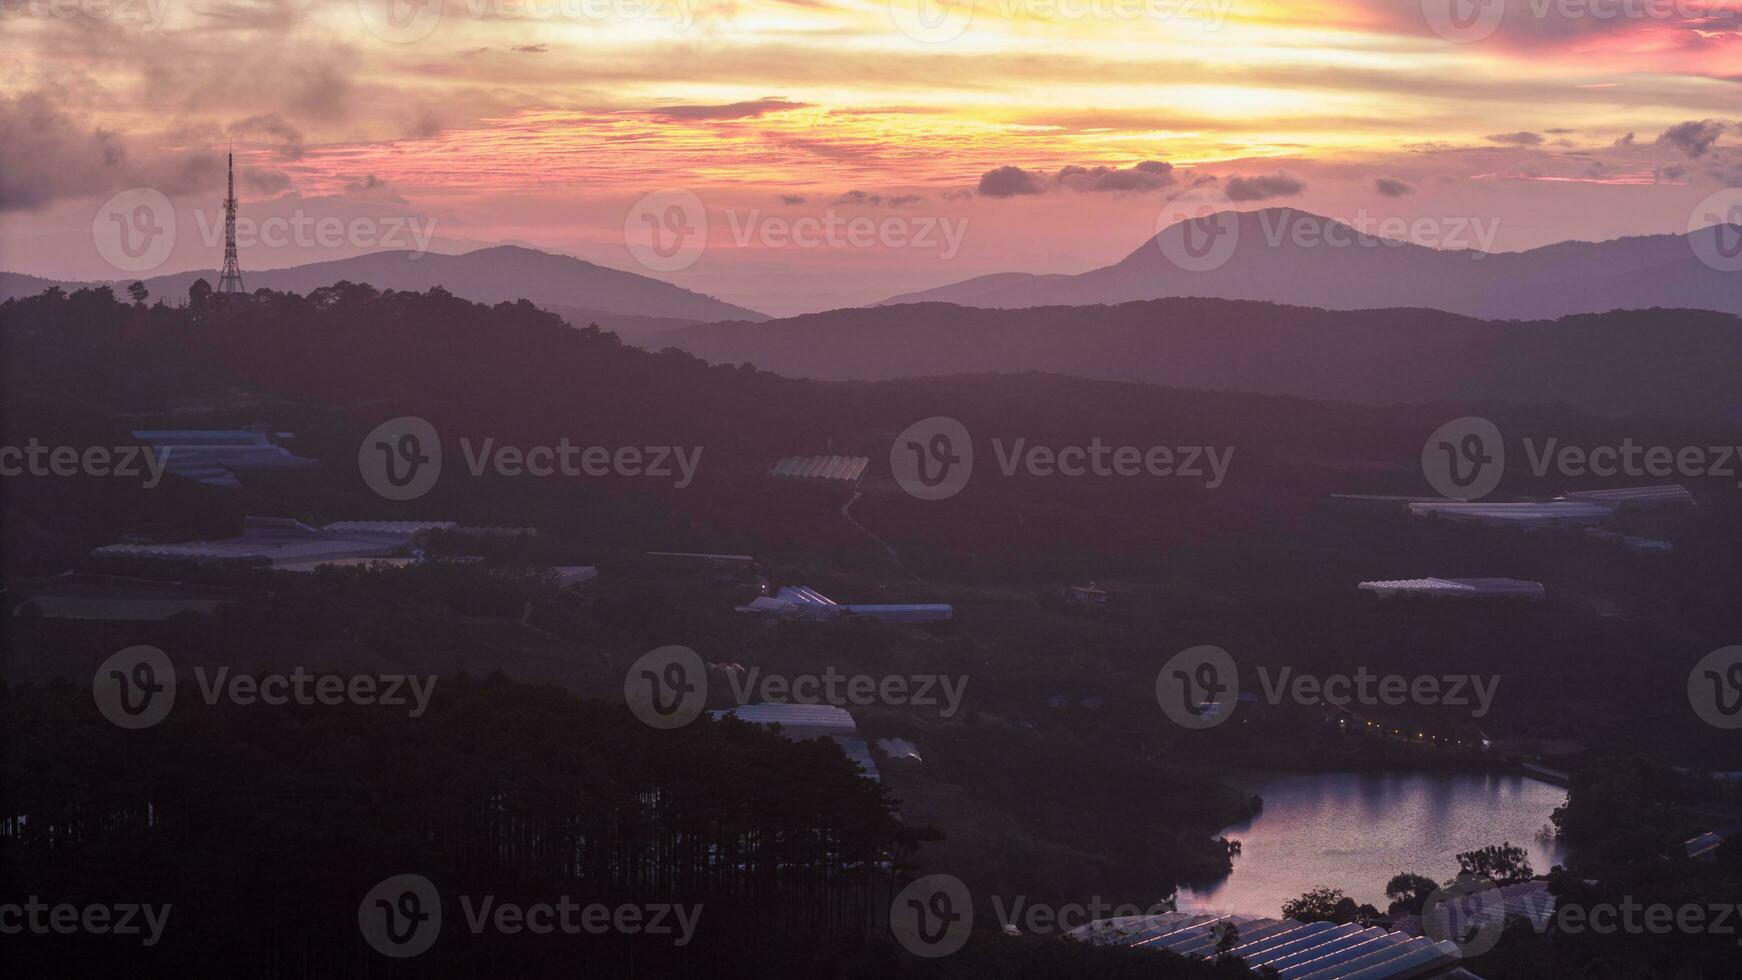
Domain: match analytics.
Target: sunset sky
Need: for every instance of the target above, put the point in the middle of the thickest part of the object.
(543, 122)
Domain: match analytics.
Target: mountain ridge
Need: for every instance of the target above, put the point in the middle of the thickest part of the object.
(1269, 263)
(495, 274)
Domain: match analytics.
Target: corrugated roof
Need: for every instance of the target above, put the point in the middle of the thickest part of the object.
(1318, 950)
(833, 469)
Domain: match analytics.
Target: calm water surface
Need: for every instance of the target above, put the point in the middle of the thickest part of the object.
(1353, 831)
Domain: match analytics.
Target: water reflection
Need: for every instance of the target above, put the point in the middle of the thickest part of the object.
(1354, 831)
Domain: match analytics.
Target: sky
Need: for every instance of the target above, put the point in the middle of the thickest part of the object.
(795, 155)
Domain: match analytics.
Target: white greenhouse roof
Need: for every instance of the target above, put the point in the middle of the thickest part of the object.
(1528, 514)
(1667, 495)
(1458, 588)
(796, 720)
(1318, 950)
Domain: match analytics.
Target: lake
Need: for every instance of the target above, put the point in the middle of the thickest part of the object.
(1353, 831)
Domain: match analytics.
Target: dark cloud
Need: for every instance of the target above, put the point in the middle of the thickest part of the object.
(47, 155)
(1010, 182)
(272, 128)
(1694, 137)
(793, 199)
(1392, 187)
(1516, 139)
(323, 92)
(864, 199)
(259, 182)
(530, 48)
(1147, 176)
(734, 110)
(1263, 188)
(1626, 140)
